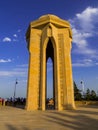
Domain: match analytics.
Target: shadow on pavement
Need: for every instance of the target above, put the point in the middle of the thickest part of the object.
(75, 119)
(80, 119)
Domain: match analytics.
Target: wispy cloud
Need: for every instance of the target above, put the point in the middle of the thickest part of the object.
(11, 73)
(6, 39)
(23, 65)
(5, 61)
(15, 35)
(84, 27)
(19, 30)
(14, 72)
(84, 63)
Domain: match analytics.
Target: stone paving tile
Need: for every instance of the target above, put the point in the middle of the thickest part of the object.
(83, 118)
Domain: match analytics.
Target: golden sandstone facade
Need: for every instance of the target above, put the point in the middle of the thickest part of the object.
(49, 36)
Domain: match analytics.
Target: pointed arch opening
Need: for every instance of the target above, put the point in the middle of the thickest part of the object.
(50, 94)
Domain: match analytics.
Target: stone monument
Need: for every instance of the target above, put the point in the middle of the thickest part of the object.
(49, 36)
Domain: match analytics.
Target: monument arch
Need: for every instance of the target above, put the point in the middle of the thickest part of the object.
(49, 36)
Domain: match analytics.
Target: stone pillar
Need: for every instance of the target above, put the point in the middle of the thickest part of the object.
(34, 70)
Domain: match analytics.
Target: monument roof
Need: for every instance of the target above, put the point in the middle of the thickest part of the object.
(50, 18)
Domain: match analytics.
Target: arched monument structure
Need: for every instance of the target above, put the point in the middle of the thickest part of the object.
(49, 36)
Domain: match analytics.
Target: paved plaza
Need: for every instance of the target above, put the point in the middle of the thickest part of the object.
(84, 118)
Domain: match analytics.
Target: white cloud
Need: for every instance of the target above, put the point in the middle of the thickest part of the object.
(15, 39)
(84, 27)
(11, 73)
(4, 61)
(79, 38)
(6, 39)
(15, 72)
(84, 63)
(87, 17)
(15, 35)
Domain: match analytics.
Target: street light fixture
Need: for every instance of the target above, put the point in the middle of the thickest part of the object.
(16, 82)
(82, 85)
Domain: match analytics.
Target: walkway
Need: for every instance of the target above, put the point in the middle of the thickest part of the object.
(84, 118)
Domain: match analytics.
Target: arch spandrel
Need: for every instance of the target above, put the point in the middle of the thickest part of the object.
(48, 33)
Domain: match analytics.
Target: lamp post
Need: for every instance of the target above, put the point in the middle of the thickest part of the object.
(82, 85)
(15, 89)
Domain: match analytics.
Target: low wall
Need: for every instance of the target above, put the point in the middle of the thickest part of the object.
(78, 103)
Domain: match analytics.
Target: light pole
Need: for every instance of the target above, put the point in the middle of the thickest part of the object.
(15, 89)
(82, 85)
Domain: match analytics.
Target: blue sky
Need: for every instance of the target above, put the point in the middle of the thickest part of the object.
(15, 17)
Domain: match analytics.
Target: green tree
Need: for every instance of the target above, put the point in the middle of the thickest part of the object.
(88, 94)
(93, 95)
(77, 93)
